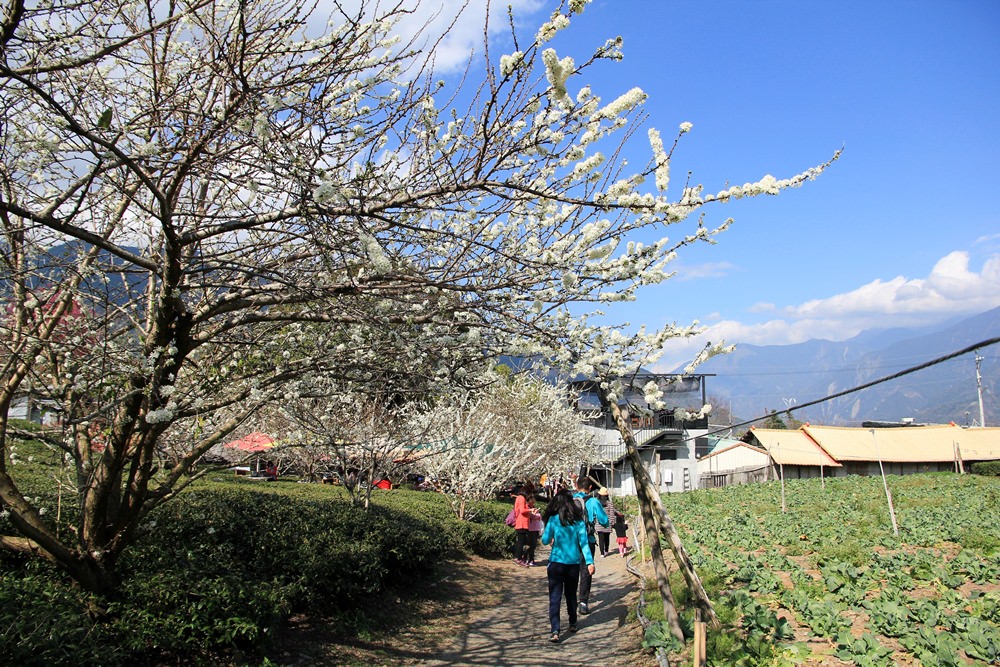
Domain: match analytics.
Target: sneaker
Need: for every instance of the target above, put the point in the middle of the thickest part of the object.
(584, 609)
(531, 563)
(573, 628)
(554, 638)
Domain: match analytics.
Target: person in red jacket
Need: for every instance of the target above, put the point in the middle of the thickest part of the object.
(524, 509)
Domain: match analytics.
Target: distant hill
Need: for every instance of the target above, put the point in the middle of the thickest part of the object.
(756, 379)
(114, 281)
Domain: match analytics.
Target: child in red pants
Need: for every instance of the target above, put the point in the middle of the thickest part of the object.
(621, 532)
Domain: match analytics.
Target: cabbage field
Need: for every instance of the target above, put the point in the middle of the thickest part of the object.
(828, 582)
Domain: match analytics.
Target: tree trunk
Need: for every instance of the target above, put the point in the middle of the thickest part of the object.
(95, 577)
(687, 567)
(656, 554)
(647, 493)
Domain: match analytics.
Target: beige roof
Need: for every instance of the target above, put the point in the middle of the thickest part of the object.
(723, 450)
(979, 444)
(911, 444)
(792, 448)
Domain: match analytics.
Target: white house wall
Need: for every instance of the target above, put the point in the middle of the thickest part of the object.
(19, 408)
(667, 475)
(735, 458)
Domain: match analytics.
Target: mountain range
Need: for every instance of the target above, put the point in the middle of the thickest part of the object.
(754, 380)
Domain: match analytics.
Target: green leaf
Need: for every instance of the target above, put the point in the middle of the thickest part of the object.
(104, 122)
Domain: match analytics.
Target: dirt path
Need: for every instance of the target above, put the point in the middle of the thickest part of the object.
(485, 613)
(515, 631)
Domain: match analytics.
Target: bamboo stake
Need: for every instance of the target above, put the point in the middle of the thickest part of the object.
(784, 507)
(885, 484)
(781, 467)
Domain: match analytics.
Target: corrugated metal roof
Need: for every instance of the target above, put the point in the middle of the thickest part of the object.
(792, 448)
(917, 444)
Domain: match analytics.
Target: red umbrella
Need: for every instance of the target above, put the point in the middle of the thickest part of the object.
(255, 442)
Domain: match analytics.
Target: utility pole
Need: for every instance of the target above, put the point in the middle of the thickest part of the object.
(979, 389)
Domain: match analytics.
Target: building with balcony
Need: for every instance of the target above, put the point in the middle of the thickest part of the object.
(669, 440)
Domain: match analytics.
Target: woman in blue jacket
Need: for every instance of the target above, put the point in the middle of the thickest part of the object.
(566, 531)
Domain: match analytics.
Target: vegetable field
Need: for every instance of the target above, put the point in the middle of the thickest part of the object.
(829, 582)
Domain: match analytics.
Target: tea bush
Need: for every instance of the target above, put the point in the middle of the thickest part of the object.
(216, 570)
(991, 468)
(45, 621)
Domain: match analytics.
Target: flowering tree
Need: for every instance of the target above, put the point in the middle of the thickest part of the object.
(214, 178)
(510, 430)
(361, 437)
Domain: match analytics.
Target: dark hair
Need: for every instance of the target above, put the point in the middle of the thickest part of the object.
(563, 505)
(585, 484)
(527, 490)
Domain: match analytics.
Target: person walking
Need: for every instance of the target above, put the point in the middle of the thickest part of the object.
(604, 532)
(621, 532)
(566, 532)
(524, 509)
(535, 528)
(593, 513)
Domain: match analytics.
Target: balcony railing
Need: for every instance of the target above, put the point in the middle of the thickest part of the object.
(646, 428)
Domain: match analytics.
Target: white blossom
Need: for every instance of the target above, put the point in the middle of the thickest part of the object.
(557, 72)
(661, 159)
(373, 250)
(626, 102)
(509, 63)
(550, 28)
(162, 415)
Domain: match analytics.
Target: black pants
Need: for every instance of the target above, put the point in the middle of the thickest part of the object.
(604, 539)
(562, 579)
(586, 577)
(524, 545)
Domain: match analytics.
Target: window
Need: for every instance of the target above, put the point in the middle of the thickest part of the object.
(701, 447)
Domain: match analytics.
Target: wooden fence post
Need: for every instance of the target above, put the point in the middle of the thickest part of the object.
(700, 643)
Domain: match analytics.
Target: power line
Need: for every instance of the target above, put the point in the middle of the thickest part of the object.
(839, 369)
(867, 385)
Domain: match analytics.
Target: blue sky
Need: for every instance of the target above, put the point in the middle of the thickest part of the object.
(904, 230)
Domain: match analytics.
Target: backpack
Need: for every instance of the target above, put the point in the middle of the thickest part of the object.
(582, 504)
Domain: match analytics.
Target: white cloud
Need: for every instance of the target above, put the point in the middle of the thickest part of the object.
(453, 28)
(951, 289)
(763, 307)
(988, 239)
(706, 270)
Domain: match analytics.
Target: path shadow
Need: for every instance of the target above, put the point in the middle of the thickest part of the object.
(516, 632)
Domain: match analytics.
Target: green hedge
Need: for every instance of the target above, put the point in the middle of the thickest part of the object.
(216, 570)
(45, 621)
(991, 468)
